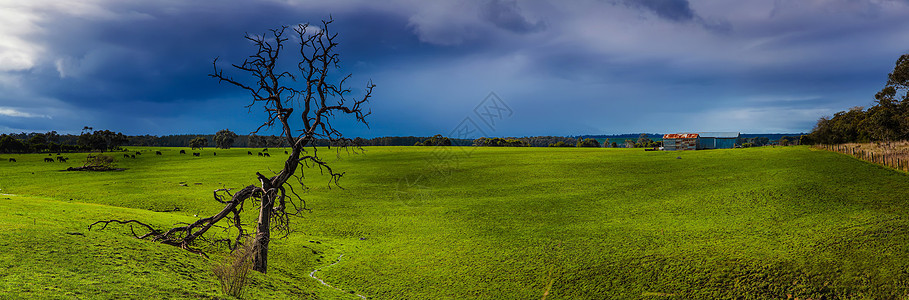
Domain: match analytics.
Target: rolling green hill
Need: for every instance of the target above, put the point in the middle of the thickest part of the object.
(492, 223)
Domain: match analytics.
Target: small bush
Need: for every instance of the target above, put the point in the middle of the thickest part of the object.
(99, 162)
(233, 272)
(588, 143)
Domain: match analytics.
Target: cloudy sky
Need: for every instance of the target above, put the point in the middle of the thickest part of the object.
(561, 67)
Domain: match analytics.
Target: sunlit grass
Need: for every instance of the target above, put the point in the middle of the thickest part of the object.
(426, 222)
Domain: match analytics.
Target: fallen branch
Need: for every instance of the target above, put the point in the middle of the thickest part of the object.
(151, 230)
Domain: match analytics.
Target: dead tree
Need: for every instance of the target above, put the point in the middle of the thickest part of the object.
(316, 95)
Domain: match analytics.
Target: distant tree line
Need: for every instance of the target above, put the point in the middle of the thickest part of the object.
(588, 142)
(37, 142)
(500, 142)
(105, 140)
(531, 141)
(757, 141)
(886, 120)
(436, 140)
(643, 141)
(53, 142)
(534, 141)
(101, 140)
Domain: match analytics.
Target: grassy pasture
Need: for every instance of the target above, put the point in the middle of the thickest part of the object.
(488, 223)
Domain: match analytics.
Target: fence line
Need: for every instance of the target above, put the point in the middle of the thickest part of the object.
(889, 160)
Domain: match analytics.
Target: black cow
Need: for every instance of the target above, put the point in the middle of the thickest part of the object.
(138, 153)
(61, 159)
(182, 151)
(125, 155)
(249, 152)
(48, 159)
(214, 153)
(196, 154)
(260, 154)
(48, 154)
(266, 154)
(285, 151)
(132, 156)
(12, 160)
(157, 152)
(265, 150)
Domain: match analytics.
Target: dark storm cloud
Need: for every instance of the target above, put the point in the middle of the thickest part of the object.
(673, 10)
(507, 15)
(165, 56)
(161, 57)
(140, 67)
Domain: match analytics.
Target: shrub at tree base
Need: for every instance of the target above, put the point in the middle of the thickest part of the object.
(233, 272)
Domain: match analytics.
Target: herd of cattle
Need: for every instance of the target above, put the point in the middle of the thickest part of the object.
(62, 159)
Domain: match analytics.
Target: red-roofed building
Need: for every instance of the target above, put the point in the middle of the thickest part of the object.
(680, 141)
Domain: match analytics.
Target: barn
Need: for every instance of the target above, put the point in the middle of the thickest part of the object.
(717, 140)
(680, 141)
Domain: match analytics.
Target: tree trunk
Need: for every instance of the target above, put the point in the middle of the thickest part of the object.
(263, 235)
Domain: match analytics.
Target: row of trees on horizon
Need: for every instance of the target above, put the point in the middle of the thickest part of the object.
(105, 140)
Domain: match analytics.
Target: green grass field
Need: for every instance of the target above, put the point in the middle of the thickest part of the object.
(488, 223)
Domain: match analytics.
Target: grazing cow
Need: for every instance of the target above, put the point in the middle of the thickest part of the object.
(260, 154)
(157, 152)
(132, 156)
(182, 151)
(285, 151)
(12, 160)
(138, 153)
(196, 154)
(90, 156)
(214, 153)
(265, 150)
(48, 154)
(266, 154)
(61, 159)
(48, 159)
(125, 155)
